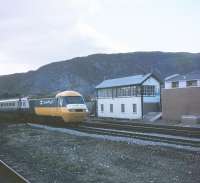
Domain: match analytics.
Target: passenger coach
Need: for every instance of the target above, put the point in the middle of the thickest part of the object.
(14, 104)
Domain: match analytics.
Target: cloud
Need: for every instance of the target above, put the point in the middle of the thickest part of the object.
(8, 68)
(99, 40)
(35, 32)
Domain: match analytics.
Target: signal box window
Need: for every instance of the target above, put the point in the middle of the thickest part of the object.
(149, 90)
(175, 84)
(102, 108)
(111, 107)
(122, 108)
(134, 108)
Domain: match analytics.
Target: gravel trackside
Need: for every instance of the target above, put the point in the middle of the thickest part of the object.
(55, 157)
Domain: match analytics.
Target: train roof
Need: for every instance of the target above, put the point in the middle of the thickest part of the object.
(42, 98)
(9, 100)
(68, 93)
(13, 99)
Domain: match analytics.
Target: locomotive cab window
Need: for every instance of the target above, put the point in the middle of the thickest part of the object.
(74, 100)
(63, 101)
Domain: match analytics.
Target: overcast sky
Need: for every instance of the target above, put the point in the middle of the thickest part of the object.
(37, 32)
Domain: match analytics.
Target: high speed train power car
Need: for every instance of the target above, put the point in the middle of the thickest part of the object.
(68, 106)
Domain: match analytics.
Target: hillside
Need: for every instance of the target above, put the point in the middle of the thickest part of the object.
(84, 73)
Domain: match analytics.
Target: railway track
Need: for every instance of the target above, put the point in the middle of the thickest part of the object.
(169, 139)
(187, 136)
(146, 128)
(177, 135)
(8, 175)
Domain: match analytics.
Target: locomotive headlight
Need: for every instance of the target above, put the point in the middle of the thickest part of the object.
(85, 110)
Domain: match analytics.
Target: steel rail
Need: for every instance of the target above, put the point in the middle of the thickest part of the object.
(147, 137)
(7, 174)
(162, 129)
(156, 133)
(112, 121)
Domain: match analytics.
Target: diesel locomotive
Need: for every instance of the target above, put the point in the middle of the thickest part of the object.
(67, 105)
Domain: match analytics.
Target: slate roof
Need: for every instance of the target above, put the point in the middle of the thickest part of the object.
(189, 76)
(125, 81)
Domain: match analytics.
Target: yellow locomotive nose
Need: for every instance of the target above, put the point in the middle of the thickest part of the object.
(68, 105)
(74, 115)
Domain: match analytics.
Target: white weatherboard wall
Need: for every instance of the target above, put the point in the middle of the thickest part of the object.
(182, 84)
(127, 101)
(156, 98)
(167, 85)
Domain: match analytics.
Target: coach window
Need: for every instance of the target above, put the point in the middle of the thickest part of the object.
(122, 108)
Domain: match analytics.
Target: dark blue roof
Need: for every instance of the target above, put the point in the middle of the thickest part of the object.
(125, 81)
